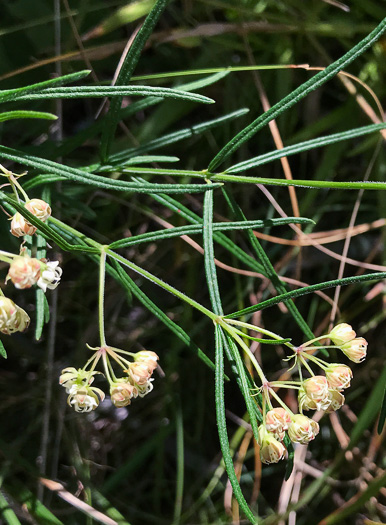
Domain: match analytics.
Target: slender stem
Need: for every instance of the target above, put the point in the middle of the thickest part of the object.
(102, 272)
(304, 363)
(314, 340)
(106, 367)
(246, 350)
(278, 399)
(319, 362)
(162, 284)
(14, 182)
(258, 329)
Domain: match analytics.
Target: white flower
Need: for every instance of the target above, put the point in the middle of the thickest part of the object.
(50, 276)
(145, 388)
(12, 317)
(84, 398)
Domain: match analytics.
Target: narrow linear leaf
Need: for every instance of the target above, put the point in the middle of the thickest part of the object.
(13, 94)
(295, 96)
(78, 175)
(382, 415)
(115, 91)
(306, 290)
(12, 115)
(3, 352)
(304, 146)
(6, 511)
(291, 456)
(222, 428)
(126, 72)
(172, 138)
(269, 269)
(193, 229)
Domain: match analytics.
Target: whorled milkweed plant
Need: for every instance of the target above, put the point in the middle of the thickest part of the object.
(320, 383)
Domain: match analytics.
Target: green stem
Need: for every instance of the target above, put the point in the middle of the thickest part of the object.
(162, 284)
(279, 400)
(304, 363)
(246, 350)
(102, 273)
(258, 329)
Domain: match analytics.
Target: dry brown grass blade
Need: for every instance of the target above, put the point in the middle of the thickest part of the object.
(80, 505)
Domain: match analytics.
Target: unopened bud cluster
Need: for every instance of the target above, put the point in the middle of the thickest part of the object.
(137, 380)
(25, 271)
(318, 392)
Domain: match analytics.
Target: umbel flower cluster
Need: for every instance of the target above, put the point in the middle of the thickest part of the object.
(25, 271)
(136, 381)
(317, 392)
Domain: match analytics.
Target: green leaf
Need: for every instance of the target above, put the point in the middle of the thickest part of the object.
(298, 94)
(382, 415)
(77, 175)
(291, 455)
(126, 72)
(222, 428)
(197, 228)
(115, 91)
(306, 290)
(303, 146)
(12, 115)
(3, 352)
(176, 136)
(6, 511)
(13, 94)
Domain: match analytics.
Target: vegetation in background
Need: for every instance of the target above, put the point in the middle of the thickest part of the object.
(161, 134)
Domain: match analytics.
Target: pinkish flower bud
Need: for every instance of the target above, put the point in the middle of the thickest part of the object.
(307, 403)
(148, 358)
(316, 388)
(20, 227)
(342, 333)
(12, 317)
(271, 450)
(277, 421)
(338, 376)
(355, 350)
(24, 271)
(39, 208)
(139, 373)
(336, 400)
(302, 429)
(121, 393)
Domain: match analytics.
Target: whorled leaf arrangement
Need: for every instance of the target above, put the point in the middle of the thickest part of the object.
(129, 375)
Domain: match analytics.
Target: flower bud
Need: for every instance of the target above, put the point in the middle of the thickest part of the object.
(50, 276)
(271, 450)
(355, 350)
(139, 373)
(71, 376)
(148, 358)
(336, 400)
(12, 317)
(84, 398)
(20, 227)
(39, 208)
(338, 376)
(302, 429)
(121, 393)
(24, 271)
(316, 388)
(277, 421)
(342, 333)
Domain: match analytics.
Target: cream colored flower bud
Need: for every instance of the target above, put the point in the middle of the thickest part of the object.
(20, 227)
(122, 392)
(338, 376)
(24, 271)
(277, 421)
(271, 450)
(316, 388)
(39, 208)
(355, 350)
(84, 398)
(302, 429)
(336, 400)
(342, 333)
(71, 376)
(148, 358)
(139, 373)
(12, 317)
(50, 277)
